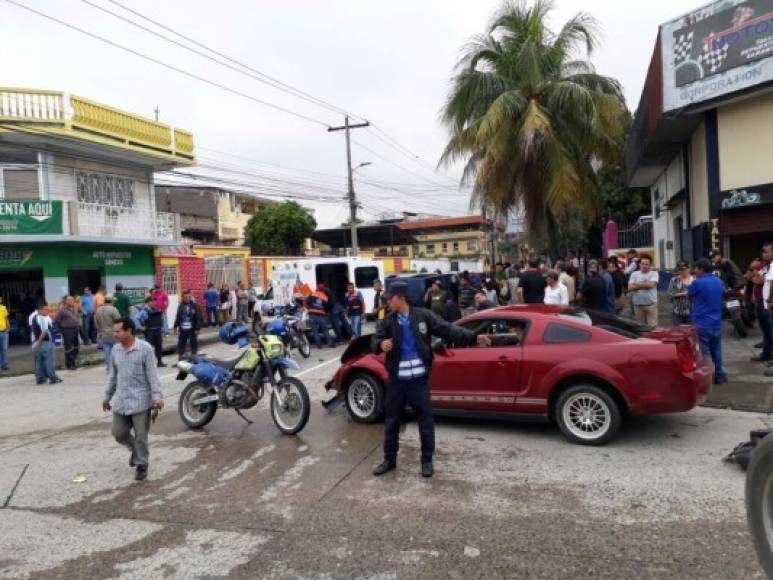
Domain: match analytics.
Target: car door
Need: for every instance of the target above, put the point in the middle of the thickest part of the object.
(481, 378)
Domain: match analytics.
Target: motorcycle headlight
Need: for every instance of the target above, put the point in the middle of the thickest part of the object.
(184, 366)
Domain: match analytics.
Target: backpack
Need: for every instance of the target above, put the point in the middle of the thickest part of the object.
(742, 453)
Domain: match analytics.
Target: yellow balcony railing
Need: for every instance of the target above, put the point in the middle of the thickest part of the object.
(59, 113)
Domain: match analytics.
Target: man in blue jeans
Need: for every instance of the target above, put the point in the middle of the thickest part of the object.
(707, 292)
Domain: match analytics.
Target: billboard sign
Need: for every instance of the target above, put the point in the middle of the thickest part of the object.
(30, 217)
(716, 50)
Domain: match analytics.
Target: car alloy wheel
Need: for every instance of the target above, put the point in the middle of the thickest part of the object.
(362, 398)
(365, 398)
(587, 416)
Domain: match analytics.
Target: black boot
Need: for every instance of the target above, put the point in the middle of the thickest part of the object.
(384, 467)
(426, 469)
(141, 473)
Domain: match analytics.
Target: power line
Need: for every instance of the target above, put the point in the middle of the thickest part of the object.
(288, 88)
(167, 65)
(250, 72)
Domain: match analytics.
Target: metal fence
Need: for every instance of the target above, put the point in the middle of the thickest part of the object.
(635, 233)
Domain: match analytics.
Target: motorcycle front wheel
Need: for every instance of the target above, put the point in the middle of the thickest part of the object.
(291, 417)
(196, 416)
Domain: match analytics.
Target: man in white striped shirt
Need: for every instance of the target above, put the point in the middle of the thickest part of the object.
(133, 389)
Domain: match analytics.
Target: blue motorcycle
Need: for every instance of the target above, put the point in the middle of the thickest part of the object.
(239, 383)
(287, 326)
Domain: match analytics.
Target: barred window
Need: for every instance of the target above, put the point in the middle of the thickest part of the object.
(104, 189)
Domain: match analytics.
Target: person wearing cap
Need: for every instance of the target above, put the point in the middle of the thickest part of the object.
(355, 305)
(727, 270)
(632, 258)
(405, 338)
(681, 307)
(435, 298)
(104, 318)
(187, 324)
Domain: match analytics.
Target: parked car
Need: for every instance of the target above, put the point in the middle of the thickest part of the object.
(583, 369)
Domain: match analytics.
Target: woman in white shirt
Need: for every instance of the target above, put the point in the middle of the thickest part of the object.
(555, 292)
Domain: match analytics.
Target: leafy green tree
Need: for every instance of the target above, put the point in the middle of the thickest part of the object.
(530, 117)
(279, 230)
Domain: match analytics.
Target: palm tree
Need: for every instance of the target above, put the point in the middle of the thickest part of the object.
(531, 118)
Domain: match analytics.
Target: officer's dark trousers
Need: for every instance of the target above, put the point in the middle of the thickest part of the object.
(185, 337)
(155, 338)
(415, 392)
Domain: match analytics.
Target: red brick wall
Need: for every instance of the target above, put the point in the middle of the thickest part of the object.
(193, 276)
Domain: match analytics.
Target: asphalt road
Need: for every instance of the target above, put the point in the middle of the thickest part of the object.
(508, 500)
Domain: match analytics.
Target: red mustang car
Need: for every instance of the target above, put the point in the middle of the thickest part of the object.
(585, 370)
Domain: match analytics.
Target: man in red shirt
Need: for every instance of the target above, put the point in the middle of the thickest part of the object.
(162, 302)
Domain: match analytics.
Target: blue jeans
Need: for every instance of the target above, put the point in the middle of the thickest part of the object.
(711, 344)
(763, 316)
(4, 350)
(107, 350)
(45, 361)
(212, 315)
(319, 327)
(355, 320)
(87, 327)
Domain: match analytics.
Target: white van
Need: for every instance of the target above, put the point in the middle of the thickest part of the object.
(335, 273)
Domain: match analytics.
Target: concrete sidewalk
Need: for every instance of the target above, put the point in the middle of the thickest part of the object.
(20, 359)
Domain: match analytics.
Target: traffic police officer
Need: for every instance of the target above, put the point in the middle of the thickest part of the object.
(405, 338)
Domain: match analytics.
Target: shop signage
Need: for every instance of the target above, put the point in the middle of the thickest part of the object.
(112, 258)
(136, 295)
(747, 197)
(15, 257)
(716, 50)
(26, 217)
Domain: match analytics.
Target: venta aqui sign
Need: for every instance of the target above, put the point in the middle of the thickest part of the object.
(30, 217)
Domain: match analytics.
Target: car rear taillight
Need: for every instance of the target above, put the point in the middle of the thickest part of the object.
(688, 355)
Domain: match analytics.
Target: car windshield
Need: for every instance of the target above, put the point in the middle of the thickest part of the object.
(611, 322)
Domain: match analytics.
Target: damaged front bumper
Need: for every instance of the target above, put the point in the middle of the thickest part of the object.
(336, 400)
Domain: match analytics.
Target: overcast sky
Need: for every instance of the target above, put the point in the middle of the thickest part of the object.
(387, 61)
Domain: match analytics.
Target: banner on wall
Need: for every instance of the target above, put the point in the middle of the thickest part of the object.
(25, 217)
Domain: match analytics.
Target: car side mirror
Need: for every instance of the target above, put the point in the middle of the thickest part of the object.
(438, 344)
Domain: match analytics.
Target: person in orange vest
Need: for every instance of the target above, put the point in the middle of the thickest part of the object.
(318, 306)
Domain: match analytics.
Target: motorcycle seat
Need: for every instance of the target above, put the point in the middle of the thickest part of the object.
(227, 364)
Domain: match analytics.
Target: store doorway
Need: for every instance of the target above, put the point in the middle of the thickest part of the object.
(78, 279)
(21, 291)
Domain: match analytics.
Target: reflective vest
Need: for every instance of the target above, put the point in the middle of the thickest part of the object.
(317, 303)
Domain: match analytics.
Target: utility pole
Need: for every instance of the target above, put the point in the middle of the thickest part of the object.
(352, 200)
(156, 111)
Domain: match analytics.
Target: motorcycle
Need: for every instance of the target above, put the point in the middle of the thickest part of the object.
(732, 311)
(239, 383)
(289, 328)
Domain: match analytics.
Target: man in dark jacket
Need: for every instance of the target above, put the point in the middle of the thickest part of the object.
(187, 323)
(151, 319)
(405, 338)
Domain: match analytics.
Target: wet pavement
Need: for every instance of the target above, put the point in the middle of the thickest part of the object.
(508, 500)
